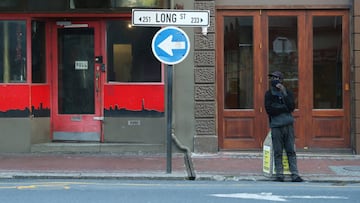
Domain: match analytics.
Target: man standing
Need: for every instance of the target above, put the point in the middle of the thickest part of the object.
(279, 104)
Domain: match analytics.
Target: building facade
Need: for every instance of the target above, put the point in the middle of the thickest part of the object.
(77, 71)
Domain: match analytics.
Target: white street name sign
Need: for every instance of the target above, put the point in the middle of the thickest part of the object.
(170, 17)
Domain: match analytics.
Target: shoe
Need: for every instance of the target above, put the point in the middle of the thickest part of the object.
(297, 179)
(279, 179)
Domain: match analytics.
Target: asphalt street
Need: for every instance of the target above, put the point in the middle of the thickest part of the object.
(165, 191)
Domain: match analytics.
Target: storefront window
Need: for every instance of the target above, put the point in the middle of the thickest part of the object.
(142, 3)
(13, 51)
(38, 52)
(238, 59)
(68, 5)
(327, 62)
(12, 4)
(89, 4)
(78, 4)
(41, 5)
(130, 58)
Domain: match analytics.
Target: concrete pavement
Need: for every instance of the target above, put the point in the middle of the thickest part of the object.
(219, 166)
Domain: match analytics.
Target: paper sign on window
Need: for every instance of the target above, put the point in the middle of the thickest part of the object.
(81, 65)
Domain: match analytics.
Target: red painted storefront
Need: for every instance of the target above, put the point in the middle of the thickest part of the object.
(112, 99)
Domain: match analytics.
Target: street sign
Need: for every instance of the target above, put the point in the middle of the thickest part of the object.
(170, 45)
(168, 17)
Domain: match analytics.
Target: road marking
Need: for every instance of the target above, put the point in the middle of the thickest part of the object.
(271, 197)
(64, 185)
(26, 187)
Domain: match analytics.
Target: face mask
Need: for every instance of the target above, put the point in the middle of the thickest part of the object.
(274, 82)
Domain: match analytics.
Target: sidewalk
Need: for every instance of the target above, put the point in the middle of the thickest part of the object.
(220, 166)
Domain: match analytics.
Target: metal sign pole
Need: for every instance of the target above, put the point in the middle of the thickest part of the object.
(170, 46)
(169, 118)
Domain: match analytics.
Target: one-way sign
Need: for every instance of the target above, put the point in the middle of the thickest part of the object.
(169, 17)
(170, 45)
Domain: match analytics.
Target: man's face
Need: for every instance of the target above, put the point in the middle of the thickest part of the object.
(274, 81)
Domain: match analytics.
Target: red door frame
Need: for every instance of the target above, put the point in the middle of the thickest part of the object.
(78, 123)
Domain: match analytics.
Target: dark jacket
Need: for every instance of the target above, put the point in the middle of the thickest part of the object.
(277, 103)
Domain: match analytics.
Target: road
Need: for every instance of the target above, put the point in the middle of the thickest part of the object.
(153, 191)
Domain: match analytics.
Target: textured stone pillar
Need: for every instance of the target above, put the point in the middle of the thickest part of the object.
(205, 139)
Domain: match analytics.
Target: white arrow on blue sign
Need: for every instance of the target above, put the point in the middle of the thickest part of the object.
(170, 45)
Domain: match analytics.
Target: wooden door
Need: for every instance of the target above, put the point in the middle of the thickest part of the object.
(239, 78)
(327, 118)
(311, 48)
(285, 50)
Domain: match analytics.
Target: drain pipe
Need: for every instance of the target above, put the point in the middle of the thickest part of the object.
(187, 157)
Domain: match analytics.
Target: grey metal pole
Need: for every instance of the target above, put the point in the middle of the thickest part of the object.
(169, 118)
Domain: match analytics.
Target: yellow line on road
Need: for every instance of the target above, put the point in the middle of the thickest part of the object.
(26, 187)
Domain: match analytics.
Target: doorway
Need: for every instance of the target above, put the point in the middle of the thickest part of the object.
(311, 48)
(77, 81)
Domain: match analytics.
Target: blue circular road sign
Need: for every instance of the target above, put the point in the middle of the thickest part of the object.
(170, 45)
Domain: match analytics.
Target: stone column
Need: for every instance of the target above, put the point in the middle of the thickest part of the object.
(205, 139)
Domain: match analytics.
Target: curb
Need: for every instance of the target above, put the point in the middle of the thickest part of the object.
(164, 176)
(91, 175)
